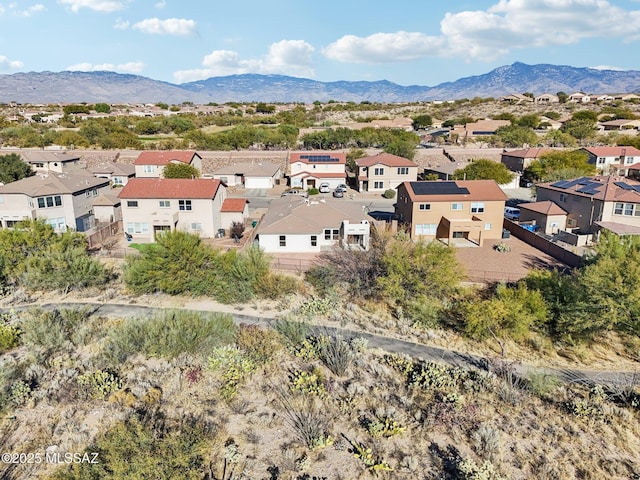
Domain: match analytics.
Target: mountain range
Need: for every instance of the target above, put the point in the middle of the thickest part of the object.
(110, 87)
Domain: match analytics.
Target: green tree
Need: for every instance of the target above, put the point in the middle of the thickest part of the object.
(353, 155)
(562, 96)
(557, 165)
(12, 168)
(74, 108)
(180, 170)
(515, 136)
(557, 138)
(102, 108)
(422, 121)
(529, 121)
(483, 169)
(402, 148)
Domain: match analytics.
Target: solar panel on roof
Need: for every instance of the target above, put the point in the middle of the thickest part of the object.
(624, 186)
(438, 188)
(589, 190)
(320, 158)
(561, 184)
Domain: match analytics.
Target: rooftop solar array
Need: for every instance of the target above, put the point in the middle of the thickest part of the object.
(626, 186)
(585, 184)
(320, 158)
(438, 188)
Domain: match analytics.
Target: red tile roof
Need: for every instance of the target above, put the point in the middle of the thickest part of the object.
(387, 159)
(547, 208)
(614, 151)
(320, 175)
(606, 188)
(170, 188)
(527, 152)
(233, 205)
(340, 157)
(161, 157)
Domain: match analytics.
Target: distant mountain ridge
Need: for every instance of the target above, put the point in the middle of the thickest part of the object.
(110, 87)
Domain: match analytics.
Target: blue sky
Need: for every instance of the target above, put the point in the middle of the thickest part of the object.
(409, 42)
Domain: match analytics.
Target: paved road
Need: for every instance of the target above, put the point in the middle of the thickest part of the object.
(393, 345)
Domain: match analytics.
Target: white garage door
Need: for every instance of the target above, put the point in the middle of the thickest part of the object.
(258, 182)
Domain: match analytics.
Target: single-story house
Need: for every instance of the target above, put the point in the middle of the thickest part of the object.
(234, 210)
(547, 215)
(250, 175)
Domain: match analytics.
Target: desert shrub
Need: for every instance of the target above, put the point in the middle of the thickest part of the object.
(99, 384)
(486, 441)
(336, 354)
(313, 191)
(382, 426)
(55, 330)
(542, 384)
(236, 230)
(276, 285)
(292, 332)
(468, 469)
(309, 383)
(135, 450)
(308, 420)
(235, 366)
(20, 393)
(390, 193)
(168, 335)
(319, 306)
(260, 344)
(9, 334)
(373, 463)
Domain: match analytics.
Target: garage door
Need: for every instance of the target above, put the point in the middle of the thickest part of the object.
(258, 182)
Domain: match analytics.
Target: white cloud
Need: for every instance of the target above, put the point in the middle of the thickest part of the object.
(171, 26)
(287, 57)
(6, 63)
(492, 33)
(32, 10)
(383, 47)
(97, 5)
(160, 5)
(121, 24)
(609, 67)
(130, 67)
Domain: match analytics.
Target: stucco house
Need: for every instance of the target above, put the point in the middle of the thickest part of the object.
(546, 99)
(593, 203)
(547, 215)
(233, 210)
(153, 205)
(117, 173)
(63, 200)
(250, 175)
(299, 225)
(518, 160)
(613, 159)
(384, 171)
(151, 163)
(45, 161)
(446, 210)
(107, 208)
(310, 169)
(481, 128)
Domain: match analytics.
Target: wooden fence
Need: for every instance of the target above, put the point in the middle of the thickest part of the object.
(97, 236)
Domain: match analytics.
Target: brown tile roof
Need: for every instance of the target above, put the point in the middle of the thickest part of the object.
(170, 188)
(527, 152)
(53, 183)
(233, 205)
(307, 157)
(154, 157)
(472, 190)
(387, 159)
(113, 168)
(547, 208)
(608, 188)
(614, 151)
(106, 200)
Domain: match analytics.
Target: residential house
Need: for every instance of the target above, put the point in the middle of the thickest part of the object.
(620, 124)
(117, 173)
(234, 210)
(151, 163)
(627, 97)
(250, 175)
(517, 98)
(547, 215)
(593, 203)
(44, 161)
(613, 159)
(384, 171)
(481, 128)
(153, 205)
(578, 97)
(299, 225)
(547, 123)
(63, 200)
(310, 169)
(519, 160)
(546, 99)
(107, 208)
(461, 209)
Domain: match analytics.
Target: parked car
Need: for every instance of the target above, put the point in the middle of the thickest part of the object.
(342, 187)
(324, 188)
(338, 193)
(295, 191)
(512, 213)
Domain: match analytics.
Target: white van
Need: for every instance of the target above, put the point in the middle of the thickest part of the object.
(512, 213)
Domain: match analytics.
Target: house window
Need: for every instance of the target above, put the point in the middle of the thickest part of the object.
(283, 240)
(331, 234)
(184, 205)
(487, 226)
(165, 203)
(138, 227)
(618, 208)
(563, 197)
(91, 193)
(628, 209)
(314, 240)
(48, 202)
(426, 228)
(149, 168)
(132, 203)
(378, 171)
(378, 184)
(117, 181)
(601, 160)
(424, 206)
(628, 160)
(456, 206)
(403, 170)
(477, 207)
(58, 224)
(197, 227)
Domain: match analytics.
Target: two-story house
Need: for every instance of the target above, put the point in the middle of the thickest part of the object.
(117, 173)
(310, 169)
(461, 209)
(151, 163)
(63, 200)
(298, 225)
(519, 160)
(593, 203)
(613, 159)
(43, 161)
(384, 171)
(152, 205)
